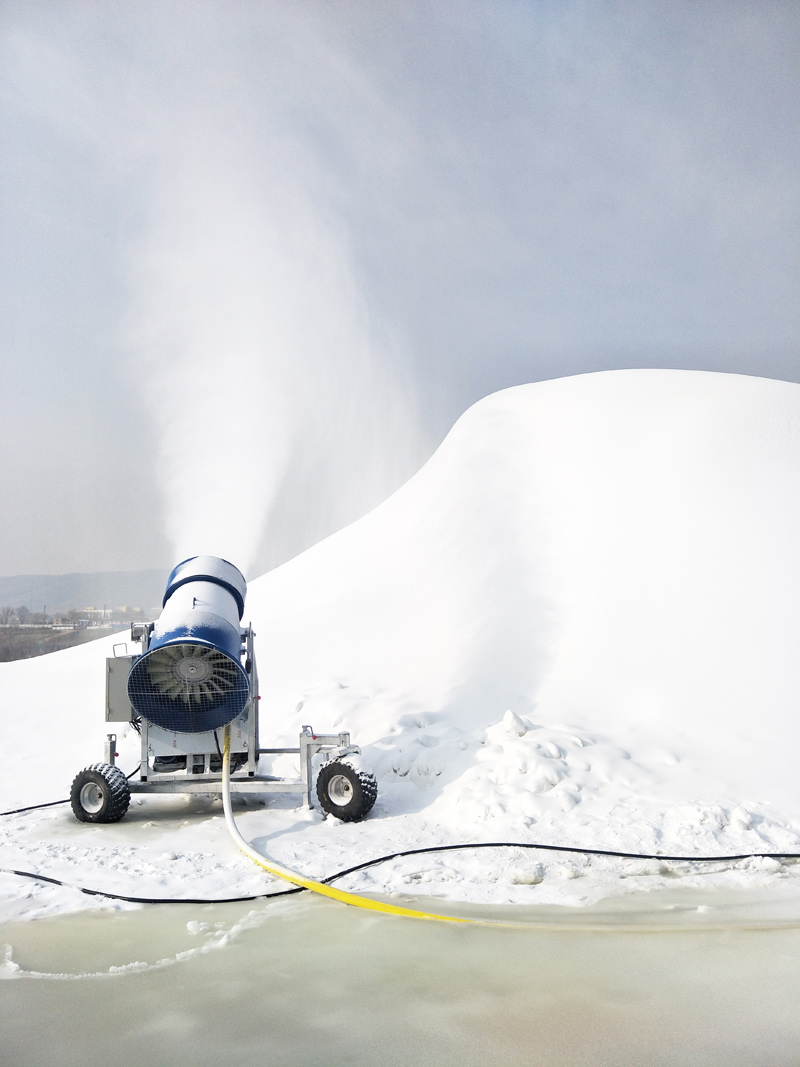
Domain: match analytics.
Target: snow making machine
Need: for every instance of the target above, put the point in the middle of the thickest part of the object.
(196, 675)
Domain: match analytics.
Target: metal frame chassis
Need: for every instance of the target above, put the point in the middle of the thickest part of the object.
(243, 780)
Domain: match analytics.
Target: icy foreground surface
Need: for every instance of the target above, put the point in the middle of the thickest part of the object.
(578, 624)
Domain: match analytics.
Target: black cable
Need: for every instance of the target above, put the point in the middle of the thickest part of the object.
(570, 848)
(385, 859)
(32, 807)
(400, 855)
(147, 900)
(494, 844)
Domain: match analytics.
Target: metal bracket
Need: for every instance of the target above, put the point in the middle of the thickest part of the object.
(310, 744)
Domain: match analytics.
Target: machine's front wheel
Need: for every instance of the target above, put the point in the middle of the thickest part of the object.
(345, 792)
(100, 793)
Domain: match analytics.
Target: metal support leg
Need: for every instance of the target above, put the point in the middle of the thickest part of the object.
(307, 750)
(111, 749)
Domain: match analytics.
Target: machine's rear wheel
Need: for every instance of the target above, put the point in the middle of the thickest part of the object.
(100, 793)
(345, 792)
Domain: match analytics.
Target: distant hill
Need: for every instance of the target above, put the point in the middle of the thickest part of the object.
(63, 592)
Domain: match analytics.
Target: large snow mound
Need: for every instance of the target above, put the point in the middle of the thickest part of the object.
(577, 624)
(617, 551)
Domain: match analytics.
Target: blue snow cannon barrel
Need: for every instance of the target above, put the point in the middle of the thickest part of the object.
(191, 678)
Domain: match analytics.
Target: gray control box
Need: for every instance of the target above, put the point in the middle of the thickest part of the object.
(118, 707)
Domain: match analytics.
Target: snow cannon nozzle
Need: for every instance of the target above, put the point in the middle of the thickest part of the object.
(190, 677)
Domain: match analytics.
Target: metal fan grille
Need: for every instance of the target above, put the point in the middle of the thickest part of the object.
(188, 687)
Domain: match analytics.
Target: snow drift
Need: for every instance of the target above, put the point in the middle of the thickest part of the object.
(616, 551)
(577, 624)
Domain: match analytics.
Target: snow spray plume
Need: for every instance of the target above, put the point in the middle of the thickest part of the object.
(259, 361)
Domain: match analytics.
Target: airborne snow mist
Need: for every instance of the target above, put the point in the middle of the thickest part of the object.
(347, 222)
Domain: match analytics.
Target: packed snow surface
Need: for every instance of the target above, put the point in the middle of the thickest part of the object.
(578, 624)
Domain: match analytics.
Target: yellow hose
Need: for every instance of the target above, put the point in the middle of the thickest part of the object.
(298, 879)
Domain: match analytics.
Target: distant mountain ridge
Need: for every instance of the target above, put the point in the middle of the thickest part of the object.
(64, 592)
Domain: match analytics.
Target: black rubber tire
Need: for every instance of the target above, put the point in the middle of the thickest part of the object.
(345, 792)
(100, 793)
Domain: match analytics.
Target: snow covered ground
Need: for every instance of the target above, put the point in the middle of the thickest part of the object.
(578, 624)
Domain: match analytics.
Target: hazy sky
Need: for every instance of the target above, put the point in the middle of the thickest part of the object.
(257, 257)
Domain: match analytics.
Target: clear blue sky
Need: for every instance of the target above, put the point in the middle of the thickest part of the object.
(257, 257)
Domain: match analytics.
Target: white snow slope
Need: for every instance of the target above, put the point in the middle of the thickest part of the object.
(578, 624)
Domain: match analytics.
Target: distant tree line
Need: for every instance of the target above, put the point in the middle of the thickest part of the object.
(25, 633)
(23, 616)
(17, 643)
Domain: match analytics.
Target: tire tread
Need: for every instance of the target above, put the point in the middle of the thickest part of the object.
(366, 792)
(117, 790)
